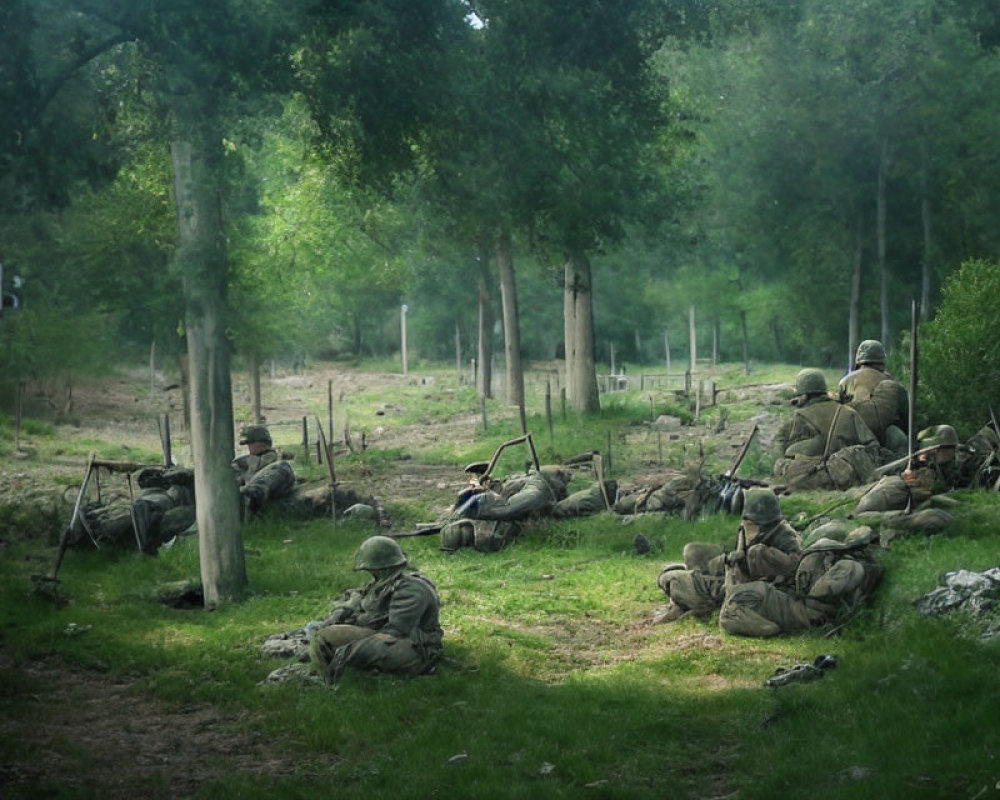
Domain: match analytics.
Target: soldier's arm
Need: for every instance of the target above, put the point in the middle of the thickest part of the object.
(406, 607)
(346, 609)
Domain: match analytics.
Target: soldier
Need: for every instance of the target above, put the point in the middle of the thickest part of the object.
(389, 625)
(768, 549)
(831, 576)
(881, 400)
(261, 474)
(163, 508)
(939, 465)
(486, 536)
(826, 445)
(517, 498)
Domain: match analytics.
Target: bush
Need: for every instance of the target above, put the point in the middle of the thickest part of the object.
(960, 348)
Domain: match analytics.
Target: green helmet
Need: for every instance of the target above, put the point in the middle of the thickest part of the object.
(810, 381)
(938, 436)
(379, 552)
(254, 433)
(761, 506)
(870, 351)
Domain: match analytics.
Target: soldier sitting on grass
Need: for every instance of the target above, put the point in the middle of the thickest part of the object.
(389, 625)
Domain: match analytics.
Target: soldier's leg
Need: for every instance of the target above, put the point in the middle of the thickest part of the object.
(692, 591)
(702, 556)
(758, 609)
(386, 653)
(328, 644)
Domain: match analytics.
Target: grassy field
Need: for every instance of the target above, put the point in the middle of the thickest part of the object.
(555, 683)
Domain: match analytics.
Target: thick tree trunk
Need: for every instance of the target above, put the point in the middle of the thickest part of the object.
(484, 353)
(925, 219)
(255, 404)
(511, 323)
(746, 341)
(201, 256)
(578, 310)
(854, 310)
(883, 271)
(183, 368)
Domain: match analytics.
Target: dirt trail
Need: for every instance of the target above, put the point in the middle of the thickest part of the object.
(81, 730)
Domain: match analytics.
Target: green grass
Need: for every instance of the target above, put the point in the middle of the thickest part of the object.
(554, 683)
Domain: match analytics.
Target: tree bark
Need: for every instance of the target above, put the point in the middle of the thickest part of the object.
(255, 404)
(854, 311)
(484, 352)
(925, 219)
(578, 326)
(511, 323)
(883, 172)
(201, 256)
(746, 341)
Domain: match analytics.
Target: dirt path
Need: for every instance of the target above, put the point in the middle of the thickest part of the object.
(80, 730)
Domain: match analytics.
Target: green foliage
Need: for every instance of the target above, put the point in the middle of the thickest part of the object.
(959, 349)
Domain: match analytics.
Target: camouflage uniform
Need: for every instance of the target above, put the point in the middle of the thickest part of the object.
(390, 625)
(772, 555)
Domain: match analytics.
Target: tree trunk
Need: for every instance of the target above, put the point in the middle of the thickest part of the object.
(485, 344)
(201, 256)
(255, 404)
(883, 171)
(854, 311)
(925, 218)
(746, 341)
(578, 310)
(511, 323)
(183, 368)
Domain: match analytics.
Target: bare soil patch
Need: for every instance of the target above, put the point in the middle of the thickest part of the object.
(84, 731)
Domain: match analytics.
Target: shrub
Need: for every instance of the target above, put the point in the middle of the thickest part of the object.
(960, 348)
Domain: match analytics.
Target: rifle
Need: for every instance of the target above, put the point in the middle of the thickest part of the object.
(885, 469)
(423, 529)
(331, 473)
(911, 416)
(737, 558)
(730, 498)
(598, 462)
(68, 530)
(731, 472)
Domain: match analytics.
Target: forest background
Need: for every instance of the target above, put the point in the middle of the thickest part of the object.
(271, 181)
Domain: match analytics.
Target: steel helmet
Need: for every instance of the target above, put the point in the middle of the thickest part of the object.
(379, 552)
(870, 351)
(254, 433)
(810, 381)
(761, 506)
(938, 436)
